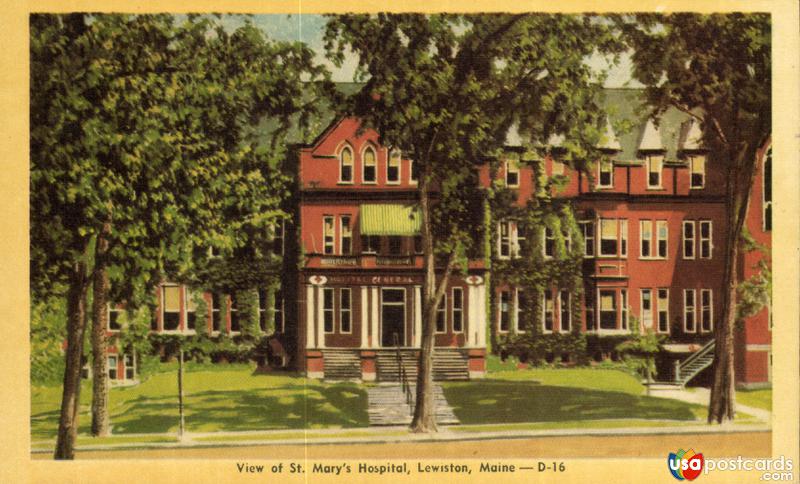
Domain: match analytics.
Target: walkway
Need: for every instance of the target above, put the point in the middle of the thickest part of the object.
(387, 406)
(701, 396)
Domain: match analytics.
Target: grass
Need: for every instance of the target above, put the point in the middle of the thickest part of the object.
(217, 398)
(297, 435)
(755, 398)
(112, 440)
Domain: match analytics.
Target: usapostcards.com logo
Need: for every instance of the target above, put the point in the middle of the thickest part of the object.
(685, 464)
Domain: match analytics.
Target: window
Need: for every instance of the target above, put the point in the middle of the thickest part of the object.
(608, 237)
(522, 302)
(346, 243)
(565, 311)
(688, 239)
(216, 314)
(191, 310)
(647, 308)
(549, 245)
(328, 234)
(262, 309)
(706, 310)
(393, 168)
(114, 314)
(519, 237)
(588, 303)
(130, 366)
(646, 239)
(345, 313)
(654, 166)
(587, 229)
(236, 323)
(279, 314)
(662, 232)
(413, 176)
(458, 309)
(327, 309)
(369, 244)
(512, 173)
(663, 310)
(395, 245)
(706, 245)
(608, 309)
(689, 311)
(767, 191)
(504, 249)
(112, 367)
(418, 244)
(369, 172)
(503, 310)
(624, 308)
(548, 310)
(171, 302)
(606, 175)
(346, 165)
(278, 237)
(567, 239)
(441, 315)
(697, 172)
(558, 167)
(623, 237)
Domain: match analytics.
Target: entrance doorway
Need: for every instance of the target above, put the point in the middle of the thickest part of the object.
(393, 317)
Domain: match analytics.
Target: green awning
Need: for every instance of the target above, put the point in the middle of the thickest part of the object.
(389, 219)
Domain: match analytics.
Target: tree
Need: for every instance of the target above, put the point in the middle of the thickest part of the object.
(446, 88)
(142, 151)
(717, 69)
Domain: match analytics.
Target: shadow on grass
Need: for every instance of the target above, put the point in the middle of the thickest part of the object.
(519, 401)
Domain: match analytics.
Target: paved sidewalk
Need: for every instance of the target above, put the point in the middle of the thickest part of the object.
(701, 396)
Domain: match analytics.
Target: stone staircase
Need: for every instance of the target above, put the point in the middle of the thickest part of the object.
(344, 364)
(448, 364)
(387, 406)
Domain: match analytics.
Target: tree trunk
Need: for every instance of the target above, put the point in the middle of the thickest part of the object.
(100, 419)
(70, 397)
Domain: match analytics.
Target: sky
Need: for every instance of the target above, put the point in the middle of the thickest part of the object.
(309, 28)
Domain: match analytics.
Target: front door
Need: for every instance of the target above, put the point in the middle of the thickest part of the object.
(393, 317)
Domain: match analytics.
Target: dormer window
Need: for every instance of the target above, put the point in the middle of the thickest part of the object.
(605, 177)
(654, 167)
(512, 173)
(697, 168)
(370, 168)
(393, 168)
(346, 165)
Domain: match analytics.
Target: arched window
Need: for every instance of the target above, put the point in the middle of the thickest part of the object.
(393, 167)
(370, 168)
(346, 165)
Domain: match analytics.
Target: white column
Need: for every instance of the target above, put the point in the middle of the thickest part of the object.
(472, 319)
(417, 316)
(364, 317)
(481, 326)
(375, 304)
(309, 316)
(320, 319)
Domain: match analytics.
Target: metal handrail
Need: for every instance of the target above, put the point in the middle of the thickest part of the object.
(699, 353)
(405, 385)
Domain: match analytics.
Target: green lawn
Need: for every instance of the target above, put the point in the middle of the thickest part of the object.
(755, 398)
(218, 398)
(560, 395)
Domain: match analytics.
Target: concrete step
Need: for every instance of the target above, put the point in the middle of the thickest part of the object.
(388, 406)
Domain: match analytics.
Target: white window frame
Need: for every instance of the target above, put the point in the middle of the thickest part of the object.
(599, 309)
(325, 243)
(545, 239)
(369, 148)
(508, 170)
(561, 306)
(331, 310)
(188, 298)
(348, 310)
(589, 243)
(701, 239)
(111, 309)
(500, 311)
(646, 315)
(349, 219)
(660, 310)
(658, 239)
(114, 367)
(126, 367)
(646, 235)
(389, 159)
(622, 226)
(545, 293)
(685, 239)
(710, 306)
(693, 162)
(459, 310)
(649, 165)
(600, 166)
(441, 309)
(624, 313)
(600, 238)
(518, 327)
(341, 180)
(164, 308)
(690, 310)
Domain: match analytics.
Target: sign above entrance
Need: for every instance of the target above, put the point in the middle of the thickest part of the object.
(365, 280)
(317, 280)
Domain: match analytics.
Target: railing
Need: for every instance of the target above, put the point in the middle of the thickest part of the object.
(402, 376)
(701, 353)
